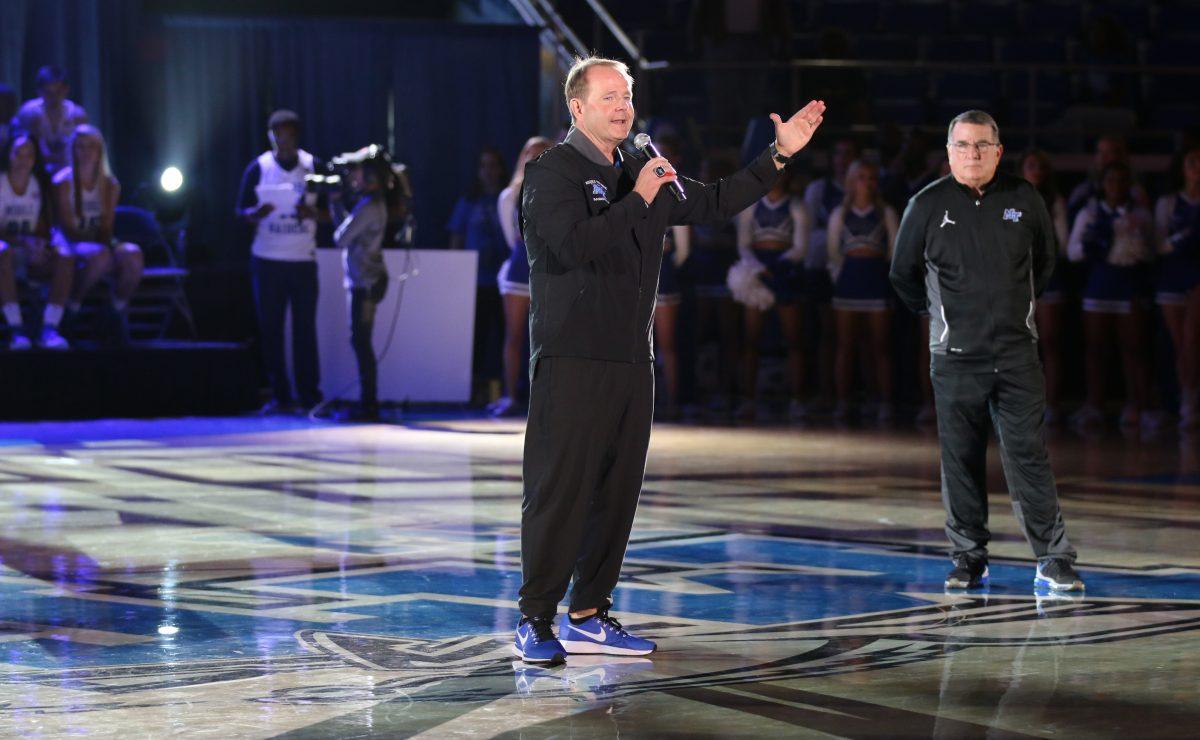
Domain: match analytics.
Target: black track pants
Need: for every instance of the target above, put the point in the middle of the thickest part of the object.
(585, 456)
(1014, 403)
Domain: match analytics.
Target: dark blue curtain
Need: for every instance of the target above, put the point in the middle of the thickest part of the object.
(436, 92)
(99, 44)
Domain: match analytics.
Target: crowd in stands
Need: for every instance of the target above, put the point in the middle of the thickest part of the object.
(58, 200)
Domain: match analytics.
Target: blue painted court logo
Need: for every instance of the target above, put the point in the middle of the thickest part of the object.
(440, 629)
(598, 191)
(1012, 214)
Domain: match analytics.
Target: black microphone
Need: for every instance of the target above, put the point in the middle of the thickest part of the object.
(644, 145)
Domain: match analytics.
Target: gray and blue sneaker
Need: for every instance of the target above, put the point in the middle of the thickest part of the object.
(1057, 574)
(601, 634)
(535, 641)
(968, 572)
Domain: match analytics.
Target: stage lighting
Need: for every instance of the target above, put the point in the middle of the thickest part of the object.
(171, 180)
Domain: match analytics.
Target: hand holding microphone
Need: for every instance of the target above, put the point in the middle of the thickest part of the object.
(654, 175)
(658, 169)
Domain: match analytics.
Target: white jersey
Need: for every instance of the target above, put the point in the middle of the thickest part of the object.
(88, 212)
(19, 214)
(281, 235)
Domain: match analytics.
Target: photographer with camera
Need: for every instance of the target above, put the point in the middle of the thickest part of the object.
(274, 201)
(371, 181)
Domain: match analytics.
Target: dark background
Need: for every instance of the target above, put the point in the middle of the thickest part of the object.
(191, 84)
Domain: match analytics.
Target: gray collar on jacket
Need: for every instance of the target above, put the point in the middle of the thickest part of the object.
(584, 146)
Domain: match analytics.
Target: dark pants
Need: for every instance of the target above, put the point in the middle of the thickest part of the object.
(278, 285)
(585, 456)
(1014, 403)
(488, 342)
(363, 302)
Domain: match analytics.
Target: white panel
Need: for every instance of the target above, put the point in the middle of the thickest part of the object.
(430, 355)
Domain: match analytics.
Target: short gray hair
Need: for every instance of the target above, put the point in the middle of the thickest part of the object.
(576, 84)
(977, 117)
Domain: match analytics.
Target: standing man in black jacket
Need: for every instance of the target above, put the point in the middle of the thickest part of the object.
(976, 248)
(594, 217)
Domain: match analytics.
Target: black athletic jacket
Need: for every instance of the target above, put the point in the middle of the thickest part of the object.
(977, 264)
(595, 247)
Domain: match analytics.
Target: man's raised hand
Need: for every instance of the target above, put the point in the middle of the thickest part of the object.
(794, 134)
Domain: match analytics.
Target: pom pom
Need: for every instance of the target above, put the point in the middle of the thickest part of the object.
(746, 285)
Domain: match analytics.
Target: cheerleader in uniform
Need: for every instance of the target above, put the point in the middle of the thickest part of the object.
(1035, 167)
(24, 242)
(773, 237)
(862, 234)
(513, 280)
(1177, 217)
(1114, 236)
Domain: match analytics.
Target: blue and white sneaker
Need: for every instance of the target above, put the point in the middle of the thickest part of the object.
(601, 634)
(535, 642)
(1057, 574)
(592, 676)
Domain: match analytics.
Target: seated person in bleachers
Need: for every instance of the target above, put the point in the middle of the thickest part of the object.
(51, 118)
(1106, 43)
(85, 199)
(1177, 218)
(25, 244)
(1115, 237)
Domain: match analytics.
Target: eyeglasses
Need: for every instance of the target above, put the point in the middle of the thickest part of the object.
(983, 147)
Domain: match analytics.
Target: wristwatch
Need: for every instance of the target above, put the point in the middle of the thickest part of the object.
(785, 161)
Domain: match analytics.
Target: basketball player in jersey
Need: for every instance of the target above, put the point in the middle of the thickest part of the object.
(284, 261)
(25, 244)
(85, 197)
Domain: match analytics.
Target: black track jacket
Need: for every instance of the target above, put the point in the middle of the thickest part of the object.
(977, 263)
(595, 247)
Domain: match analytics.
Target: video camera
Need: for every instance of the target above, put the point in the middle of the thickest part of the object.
(372, 158)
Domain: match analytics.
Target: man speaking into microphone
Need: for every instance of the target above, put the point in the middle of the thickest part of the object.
(593, 218)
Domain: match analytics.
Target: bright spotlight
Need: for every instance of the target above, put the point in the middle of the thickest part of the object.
(171, 180)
